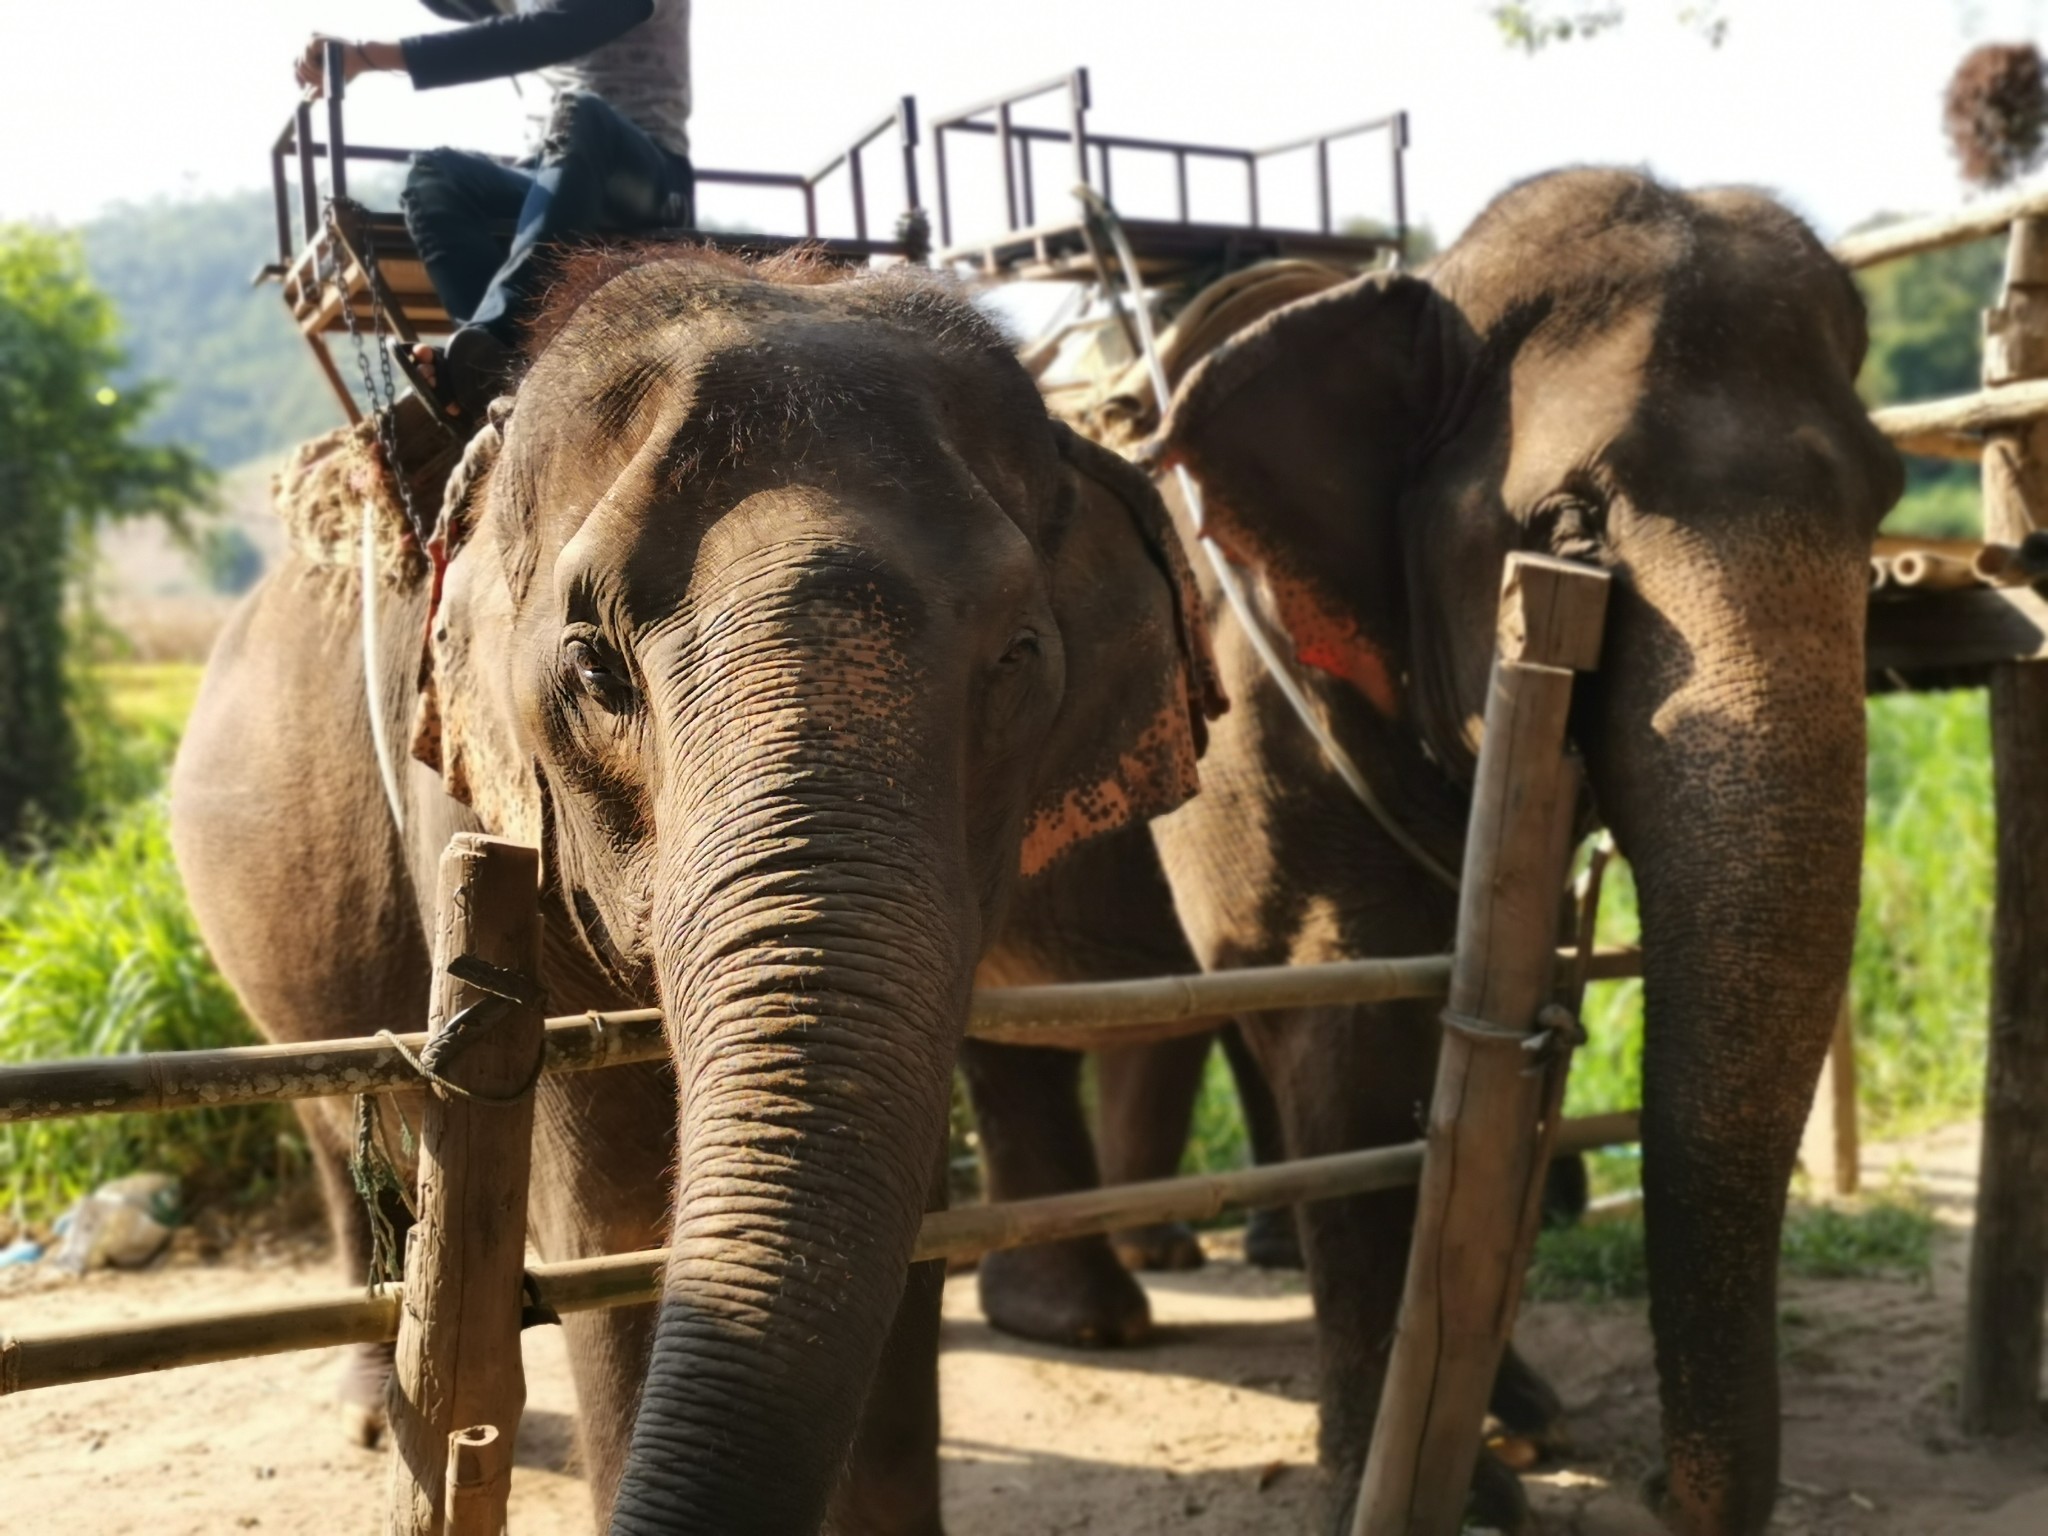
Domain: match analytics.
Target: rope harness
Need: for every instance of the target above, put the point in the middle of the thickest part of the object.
(1138, 325)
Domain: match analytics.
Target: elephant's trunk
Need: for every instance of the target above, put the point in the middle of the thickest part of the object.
(1729, 757)
(814, 930)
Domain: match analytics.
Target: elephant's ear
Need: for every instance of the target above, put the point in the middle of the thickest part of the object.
(1301, 432)
(462, 726)
(1141, 684)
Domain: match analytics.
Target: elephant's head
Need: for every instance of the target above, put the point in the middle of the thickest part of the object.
(1661, 384)
(790, 628)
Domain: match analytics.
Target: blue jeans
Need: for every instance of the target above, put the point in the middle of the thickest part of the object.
(596, 174)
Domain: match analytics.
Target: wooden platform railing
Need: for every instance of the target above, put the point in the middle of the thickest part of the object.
(2005, 426)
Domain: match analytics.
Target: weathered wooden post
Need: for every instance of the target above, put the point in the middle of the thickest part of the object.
(1499, 1081)
(458, 1332)
(2009, 1248)
(1831, 1148)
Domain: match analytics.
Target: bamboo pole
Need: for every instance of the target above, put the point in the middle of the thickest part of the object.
(479, 1481)
(1955, 426)
(2001, 1379)
(1072, 1017)
(1979, 221)
(62, 1357)
(1494, 1116)
(1929, 571)
(1831, 1147)
(458, 1357)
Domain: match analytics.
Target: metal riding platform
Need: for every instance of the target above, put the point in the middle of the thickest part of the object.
(349, 269)
(1169, 251)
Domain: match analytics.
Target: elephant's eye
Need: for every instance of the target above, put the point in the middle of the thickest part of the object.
(599, 673)
(1024, 647)
(1570, 525)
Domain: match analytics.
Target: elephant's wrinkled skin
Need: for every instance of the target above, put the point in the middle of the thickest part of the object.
(788, 627)
(1661, 384)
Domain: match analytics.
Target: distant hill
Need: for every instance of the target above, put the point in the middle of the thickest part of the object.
(239, 384)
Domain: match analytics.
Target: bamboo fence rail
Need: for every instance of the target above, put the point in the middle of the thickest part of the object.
(1077, 1016)
(60, 1357)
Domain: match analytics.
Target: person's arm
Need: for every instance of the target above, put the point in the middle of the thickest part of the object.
(490, 49)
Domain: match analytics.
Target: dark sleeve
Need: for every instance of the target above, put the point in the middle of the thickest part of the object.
(512, 45)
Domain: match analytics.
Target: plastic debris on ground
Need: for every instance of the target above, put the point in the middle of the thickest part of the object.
(124, 1223)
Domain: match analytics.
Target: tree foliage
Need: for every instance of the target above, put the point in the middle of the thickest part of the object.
(239, 384)
(1533, 25)
(71, 457)
(1996, 113)
(1925, 321)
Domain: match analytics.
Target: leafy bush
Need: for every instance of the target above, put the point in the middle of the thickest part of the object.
(101, 957)
(1921, 976)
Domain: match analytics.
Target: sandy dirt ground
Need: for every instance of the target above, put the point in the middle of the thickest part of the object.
(1212, 1430)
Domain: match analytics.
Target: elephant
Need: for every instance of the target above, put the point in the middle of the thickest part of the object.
(1657, 382)
(782, 619)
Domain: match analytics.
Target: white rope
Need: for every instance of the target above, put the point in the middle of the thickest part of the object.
(1231, 579)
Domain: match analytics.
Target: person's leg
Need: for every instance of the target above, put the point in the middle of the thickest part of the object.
(598, 173)
(452, 200)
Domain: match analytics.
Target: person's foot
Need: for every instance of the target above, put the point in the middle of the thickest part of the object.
(459, 380)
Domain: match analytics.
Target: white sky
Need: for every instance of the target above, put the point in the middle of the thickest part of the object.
(1835, 104)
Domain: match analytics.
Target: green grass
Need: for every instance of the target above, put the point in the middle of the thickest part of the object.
(99, 955)
(1919, 985)
(1886, 1236)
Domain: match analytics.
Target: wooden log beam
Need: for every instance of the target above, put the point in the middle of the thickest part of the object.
(61, 1357)
(458, 1359)
(1071, 1017)
(2001, 1381)
(1910, 237)
(1493, 1119)
(1954, 427)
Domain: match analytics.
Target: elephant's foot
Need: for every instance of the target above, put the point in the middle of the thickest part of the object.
(1164, 1245)
(1073, 1293)
(1528, 1417)
(1271, 1240)
(1498, 1502)
(359, 1395)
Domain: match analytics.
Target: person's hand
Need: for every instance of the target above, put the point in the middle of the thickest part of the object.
(311, 67)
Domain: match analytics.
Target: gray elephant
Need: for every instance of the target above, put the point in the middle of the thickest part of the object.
(1656, 382)
(789, 627)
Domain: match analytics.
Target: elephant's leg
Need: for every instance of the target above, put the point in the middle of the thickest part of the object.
(1340, 1086)
(1034, 1141)
(1145, 1102)
(601, 1184)
(366, 1368)
(1271, 1238)
(891, 1485)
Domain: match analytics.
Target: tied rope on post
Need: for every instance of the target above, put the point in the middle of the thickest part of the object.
(1138, 326)
(371, 1169)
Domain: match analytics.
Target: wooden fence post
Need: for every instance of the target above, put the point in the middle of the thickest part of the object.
(2009, 1247)
(1495, 1111)
(458, 1331)
(1831, 1148)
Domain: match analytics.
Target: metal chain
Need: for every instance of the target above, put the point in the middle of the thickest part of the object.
(382, 402)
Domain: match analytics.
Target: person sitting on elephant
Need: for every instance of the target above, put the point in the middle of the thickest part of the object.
(614, 157)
